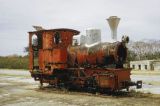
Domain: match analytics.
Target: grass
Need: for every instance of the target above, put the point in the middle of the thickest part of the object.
(14, 62)
(139, 72)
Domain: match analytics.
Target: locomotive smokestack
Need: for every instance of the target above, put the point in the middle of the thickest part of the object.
(113, 23)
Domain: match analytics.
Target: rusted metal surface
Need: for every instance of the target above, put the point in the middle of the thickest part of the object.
(55, 61)
(51, 54)
(102, 54)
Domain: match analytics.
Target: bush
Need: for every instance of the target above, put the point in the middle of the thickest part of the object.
(14, 62)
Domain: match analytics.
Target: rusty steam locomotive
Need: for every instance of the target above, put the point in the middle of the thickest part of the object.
(54, 60)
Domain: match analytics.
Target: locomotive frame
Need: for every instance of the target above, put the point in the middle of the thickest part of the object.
(49, 63)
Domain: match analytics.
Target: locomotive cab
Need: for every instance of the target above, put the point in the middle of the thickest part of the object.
(49, 51)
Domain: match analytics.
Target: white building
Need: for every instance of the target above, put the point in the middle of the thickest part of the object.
(93, 36)
(156, 65)
(145, 65)
(82, 40)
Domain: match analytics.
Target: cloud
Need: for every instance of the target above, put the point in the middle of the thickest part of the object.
(139, 18)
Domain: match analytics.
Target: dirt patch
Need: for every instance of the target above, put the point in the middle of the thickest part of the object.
(25, 94)
(19, 91)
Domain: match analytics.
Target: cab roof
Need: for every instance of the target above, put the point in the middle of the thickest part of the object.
(54, 30)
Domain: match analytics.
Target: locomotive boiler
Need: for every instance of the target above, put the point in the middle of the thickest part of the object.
(99, 55)
(54, 60)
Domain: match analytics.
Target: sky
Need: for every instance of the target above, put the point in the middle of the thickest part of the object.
(140, 19)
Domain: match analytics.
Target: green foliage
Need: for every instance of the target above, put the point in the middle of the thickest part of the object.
(144, 50)
(151, 56)
(14, 62)
(133, 56)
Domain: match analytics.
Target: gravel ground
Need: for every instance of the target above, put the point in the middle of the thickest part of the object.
(151, 83)
(17, 88)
